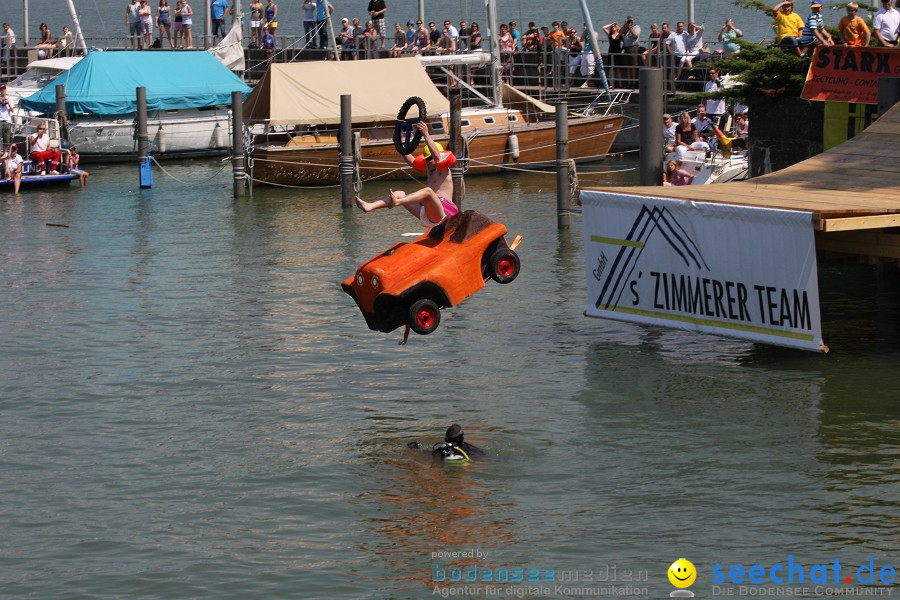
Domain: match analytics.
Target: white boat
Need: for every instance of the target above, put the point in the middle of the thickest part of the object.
(187, 115)
(38, 75)
(714, 166)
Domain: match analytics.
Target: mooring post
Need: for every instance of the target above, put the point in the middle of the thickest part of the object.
(888, 93)
(346, 162)
(143, 140)
(651, 112)
(562, 165)
(237, 144)
(60, 110)
(456, 147)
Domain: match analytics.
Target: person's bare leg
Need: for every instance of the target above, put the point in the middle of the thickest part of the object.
(427, 197)
(390, 201)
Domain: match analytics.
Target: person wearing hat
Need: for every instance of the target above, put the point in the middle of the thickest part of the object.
(853, 28)
(669, 132)
(788, 25)
(347, 39)
(814, 32)
(433, 204)
(5, 117)
(12, 166)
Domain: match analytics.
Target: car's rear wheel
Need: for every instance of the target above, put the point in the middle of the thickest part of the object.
(424, 316)
(504, 265)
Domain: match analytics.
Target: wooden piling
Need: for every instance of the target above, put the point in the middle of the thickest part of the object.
(456, 146)
(562, 165)
(651, 112)
(143, 139)
(346, 161)
(238, 171)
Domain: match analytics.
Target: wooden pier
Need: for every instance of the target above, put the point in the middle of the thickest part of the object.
(852, 191)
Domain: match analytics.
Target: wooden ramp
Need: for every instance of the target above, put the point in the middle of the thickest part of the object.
(852, 190)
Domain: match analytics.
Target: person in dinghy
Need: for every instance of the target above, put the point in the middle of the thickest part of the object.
(432, 205)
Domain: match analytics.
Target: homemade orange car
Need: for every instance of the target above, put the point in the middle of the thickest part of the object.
(410, 283)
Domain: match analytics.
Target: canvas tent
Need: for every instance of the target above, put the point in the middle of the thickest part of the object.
(309, 93)
(104, 83)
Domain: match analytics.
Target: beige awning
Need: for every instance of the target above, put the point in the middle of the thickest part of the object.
(516, 99)
(309, 93)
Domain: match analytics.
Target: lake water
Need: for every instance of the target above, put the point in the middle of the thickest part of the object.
(190, 407)
(105, 18)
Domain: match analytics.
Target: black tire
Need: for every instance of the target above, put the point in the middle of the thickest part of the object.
(402, 127)
(504, 265)
(424, 316)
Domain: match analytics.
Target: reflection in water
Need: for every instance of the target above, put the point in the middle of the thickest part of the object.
(423, 506)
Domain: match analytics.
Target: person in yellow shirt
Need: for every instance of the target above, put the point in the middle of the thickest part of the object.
(788, 25)
(853, 28)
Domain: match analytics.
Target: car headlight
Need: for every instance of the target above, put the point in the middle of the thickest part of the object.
(359, 279)
(375, 282)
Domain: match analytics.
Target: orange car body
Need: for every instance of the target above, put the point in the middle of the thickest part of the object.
(447, 264)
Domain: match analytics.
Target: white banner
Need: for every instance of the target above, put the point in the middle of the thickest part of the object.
(715, 268)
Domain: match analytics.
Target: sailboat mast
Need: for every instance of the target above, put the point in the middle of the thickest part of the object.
(79, 39)
(595, 47)
(25, 18)
(494, 37)
(691, 11)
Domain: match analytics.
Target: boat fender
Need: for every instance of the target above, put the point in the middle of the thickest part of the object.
(448, 159)
(219, 136)
(161, 140)
(512, 146)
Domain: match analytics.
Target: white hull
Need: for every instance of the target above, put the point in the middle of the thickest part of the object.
(715, 168)
(173, 133)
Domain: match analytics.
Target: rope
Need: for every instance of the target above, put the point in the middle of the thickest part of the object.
(163, 169)
(573, 182)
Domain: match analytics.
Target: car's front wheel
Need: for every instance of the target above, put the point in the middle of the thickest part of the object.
(504, 265)
(424, 316)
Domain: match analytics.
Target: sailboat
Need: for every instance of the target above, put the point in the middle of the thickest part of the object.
(299, 104)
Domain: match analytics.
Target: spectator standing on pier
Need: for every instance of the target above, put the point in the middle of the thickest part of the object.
(176, 25)
(324, 8)
(727, 36)
(475, 39)
(271, 15)
(715, 108)
(309, 23)
(187, 18)
(886, 24)
(146, 15)
(66, 42)
(814, 32)
(631, 45)
(346, 39)
(452, 32)
(614, 35)
(133, 22)
(693, 44)
(653, 45)
(7, 42)
(377, 9)
(788, 25)
(463, 36)
(256, 23)
(587, 55)
(6, 107)
(218, 10)
(164, 21)
(531, 40)
(507, 47)
(853, 28)
(517, 35)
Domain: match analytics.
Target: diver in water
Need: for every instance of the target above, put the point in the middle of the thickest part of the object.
(453, 448)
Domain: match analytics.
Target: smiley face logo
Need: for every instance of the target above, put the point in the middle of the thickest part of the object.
(682, 573)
